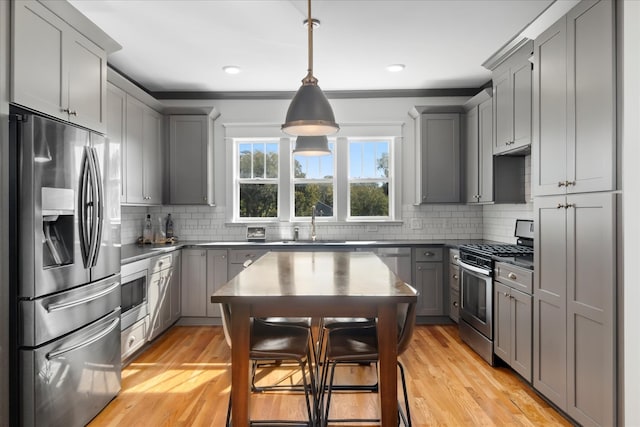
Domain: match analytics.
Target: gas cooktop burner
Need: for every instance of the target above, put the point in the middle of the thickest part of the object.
(498, 249)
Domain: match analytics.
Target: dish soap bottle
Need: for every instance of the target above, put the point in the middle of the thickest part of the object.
(147, 232)
(169, 227)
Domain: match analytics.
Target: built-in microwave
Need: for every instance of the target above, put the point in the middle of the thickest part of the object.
(133, 298)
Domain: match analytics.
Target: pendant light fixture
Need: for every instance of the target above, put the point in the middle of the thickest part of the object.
(312, 146)
(310, 113)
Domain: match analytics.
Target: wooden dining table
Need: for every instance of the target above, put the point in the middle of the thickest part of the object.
(315, 284)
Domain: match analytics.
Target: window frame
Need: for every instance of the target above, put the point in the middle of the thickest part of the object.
(389, 180)
(238, 181)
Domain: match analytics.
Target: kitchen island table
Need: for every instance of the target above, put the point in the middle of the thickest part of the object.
(315, 284)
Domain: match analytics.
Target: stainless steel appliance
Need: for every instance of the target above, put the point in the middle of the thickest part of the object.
(134, 293)
(476, 285)
(65, 272)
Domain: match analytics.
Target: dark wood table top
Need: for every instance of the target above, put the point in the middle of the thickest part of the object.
(314, 275)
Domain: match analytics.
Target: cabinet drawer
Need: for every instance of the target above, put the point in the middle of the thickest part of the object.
(428, 254)
(516, 277)
(240, 256)
(454, 256)
(161, 263)
(134, 337)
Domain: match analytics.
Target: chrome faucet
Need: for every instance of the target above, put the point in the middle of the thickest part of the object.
(313, 223)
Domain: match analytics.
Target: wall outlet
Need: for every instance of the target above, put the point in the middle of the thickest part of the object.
(416, 224)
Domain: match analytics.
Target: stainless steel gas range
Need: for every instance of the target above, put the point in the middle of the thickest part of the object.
(476, 285)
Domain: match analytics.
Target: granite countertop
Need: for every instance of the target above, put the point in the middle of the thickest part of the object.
(134, 252)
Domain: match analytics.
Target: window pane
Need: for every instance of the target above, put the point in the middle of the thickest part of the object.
(272, 160)
(258, 161)
(370, 199)
(355, 160)
(313, 167)
(307, 195)
(382, 160)
(258, 200)
(244, 151)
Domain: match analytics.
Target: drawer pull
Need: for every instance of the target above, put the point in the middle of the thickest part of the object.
(512, 276)
(429, 254)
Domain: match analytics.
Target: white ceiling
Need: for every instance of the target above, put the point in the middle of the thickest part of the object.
(182, 45)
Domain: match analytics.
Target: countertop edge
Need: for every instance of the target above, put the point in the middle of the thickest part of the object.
(136, 252)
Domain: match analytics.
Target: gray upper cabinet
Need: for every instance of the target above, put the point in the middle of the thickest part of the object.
(56, 69)
(190, 160)
(575, 104)
(512, 93)
(142, 149)
(440, 162)
(574, 337)
(116, 119)
(478, 149)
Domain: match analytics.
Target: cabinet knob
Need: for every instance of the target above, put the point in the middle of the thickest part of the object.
(455, 276)
(419, 268)
(456, 257)
(562, 184)
(204, 199)
(512, 276)
(570, 205)
(455, 303)
(424, 197)
(560, 205)
(428, 254)
(132, 340)
(73, 113)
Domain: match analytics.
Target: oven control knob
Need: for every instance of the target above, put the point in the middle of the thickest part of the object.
(512, 276)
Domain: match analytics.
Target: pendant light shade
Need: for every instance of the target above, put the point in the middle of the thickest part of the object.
(310, 113)
(312, 146)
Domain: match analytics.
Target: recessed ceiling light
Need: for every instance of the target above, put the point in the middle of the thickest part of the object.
(231, 69)
(394, 68)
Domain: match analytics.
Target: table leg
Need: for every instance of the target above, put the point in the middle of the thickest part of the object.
(240, 336)
(388, 352)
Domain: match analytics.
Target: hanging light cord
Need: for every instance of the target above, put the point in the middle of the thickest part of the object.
(310, 79)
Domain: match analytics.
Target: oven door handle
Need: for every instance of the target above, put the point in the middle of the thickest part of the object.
(474, 269)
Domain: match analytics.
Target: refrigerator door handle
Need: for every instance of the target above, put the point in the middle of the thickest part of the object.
(96, 207)
(85, 204)
(68, 304)
(55, 354)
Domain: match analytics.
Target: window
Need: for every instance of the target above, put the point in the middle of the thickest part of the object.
(369, 175)
(256, 187)
(313, 184)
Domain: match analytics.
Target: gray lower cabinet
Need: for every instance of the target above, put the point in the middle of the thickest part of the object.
(175, 289)
(194, 283)
(428, 280)
(203, 272)
(454, 285)
(513, 326)
(216, 277)
(440, 162)
(239, 259)
(574, 331)
(162, 269)
(575, 102)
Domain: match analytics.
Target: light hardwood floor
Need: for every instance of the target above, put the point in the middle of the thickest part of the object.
(183, 380)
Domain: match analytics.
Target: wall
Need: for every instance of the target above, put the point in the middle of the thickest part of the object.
(416, 222)
(4, 208)
(499, 221)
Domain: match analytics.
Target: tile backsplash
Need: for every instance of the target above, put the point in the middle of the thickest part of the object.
(491, 222)
(209, 223)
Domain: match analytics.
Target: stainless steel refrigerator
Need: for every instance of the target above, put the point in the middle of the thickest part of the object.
(65, 279)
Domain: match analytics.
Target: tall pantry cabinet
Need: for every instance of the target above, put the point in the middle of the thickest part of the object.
(573, 182)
